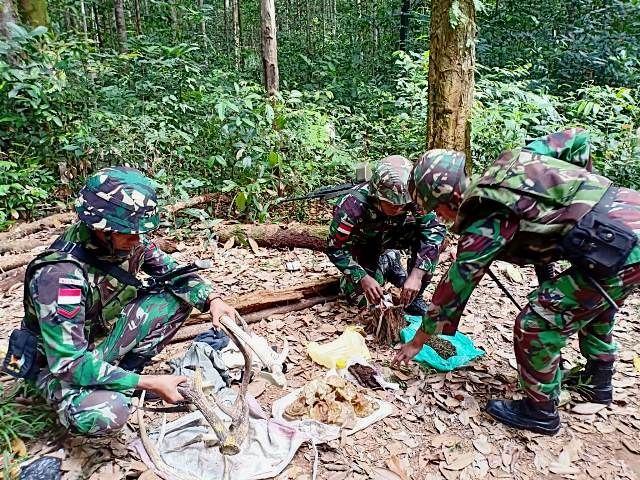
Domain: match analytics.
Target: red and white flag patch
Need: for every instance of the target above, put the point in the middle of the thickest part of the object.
(69, 296)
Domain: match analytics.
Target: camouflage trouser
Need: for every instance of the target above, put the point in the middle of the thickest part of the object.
(556, 310)
(375, 261)
(144, 326)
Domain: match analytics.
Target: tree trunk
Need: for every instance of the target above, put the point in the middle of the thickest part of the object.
(137, 20)
(96, 17)
(451, 69)
(405, 14)
(83, 15)
(121, 25)
(269, 47)
(174, 18)
(235, 18)
(6, 17)
(34, 12)
(203, 23)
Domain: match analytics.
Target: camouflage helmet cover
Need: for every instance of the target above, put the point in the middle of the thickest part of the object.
(389, 182)
(438, 178)
(119, 199)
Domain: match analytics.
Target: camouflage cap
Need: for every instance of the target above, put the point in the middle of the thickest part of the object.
(572, 145)
(119, 199)
(389, 181)
(438, 178)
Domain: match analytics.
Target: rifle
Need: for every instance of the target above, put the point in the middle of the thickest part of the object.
(157, 284)
(363, 174)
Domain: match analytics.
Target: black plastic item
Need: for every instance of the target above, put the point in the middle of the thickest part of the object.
(45, 468)
(21, 360)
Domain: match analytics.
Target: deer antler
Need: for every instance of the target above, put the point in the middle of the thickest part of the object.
(230, 437)
(271, 359)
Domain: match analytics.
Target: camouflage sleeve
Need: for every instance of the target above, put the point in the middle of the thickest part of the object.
(478, 246)
(431, 234)
(59, 293)
(191, 288)
(346, 216)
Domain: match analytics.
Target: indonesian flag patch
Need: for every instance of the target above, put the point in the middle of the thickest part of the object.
(69, 296)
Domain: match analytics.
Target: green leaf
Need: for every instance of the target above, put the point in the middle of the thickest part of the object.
(241, 201)
(273, 158)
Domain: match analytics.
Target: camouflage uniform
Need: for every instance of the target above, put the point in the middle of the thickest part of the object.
(360, 233)
(69, 304)
(518, 211)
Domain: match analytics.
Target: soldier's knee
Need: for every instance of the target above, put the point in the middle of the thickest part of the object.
(101, 412)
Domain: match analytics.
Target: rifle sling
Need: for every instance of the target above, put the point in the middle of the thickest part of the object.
(79, 252)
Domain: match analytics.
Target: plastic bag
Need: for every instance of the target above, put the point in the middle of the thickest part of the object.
(464, 347)
(45, 468)
(336, 354)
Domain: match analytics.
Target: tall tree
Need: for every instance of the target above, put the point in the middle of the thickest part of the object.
(136, 17)
(121, 25)
(6, 17)
(269, 46)
(235, 20)
(83, 15)
(405, 13)
(451, 69)
(34, 12)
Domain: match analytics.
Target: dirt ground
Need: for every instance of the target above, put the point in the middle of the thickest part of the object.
(438, 429)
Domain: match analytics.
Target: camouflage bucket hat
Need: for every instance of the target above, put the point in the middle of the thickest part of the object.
(119, 199)
(572, 145)
(438, 178)
(389, 182)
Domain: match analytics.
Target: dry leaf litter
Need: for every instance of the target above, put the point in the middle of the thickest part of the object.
(438, 430)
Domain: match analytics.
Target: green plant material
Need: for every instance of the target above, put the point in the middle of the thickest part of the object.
(21, 422)
(442, 347)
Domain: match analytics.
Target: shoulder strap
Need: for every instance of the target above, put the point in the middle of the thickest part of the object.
(78, 251)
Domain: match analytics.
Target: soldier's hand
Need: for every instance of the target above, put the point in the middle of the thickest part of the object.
(409, 350)
(410, 289)
(219, 309)
(372, 289)
(165, 386)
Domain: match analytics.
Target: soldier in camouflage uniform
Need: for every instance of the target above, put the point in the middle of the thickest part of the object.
(369, 224)
(519, 211)
(69, 303)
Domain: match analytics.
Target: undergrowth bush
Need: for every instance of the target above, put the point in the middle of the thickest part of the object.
(66, 107)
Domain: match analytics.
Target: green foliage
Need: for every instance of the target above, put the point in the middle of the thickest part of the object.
(20, 421)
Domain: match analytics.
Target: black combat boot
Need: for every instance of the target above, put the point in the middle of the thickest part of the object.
(391, 268)
(593, 382)
(540, 417)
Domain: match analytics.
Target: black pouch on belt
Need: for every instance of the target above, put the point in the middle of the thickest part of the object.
(598, 245)
(22, 356)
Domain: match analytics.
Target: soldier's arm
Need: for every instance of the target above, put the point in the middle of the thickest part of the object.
(431, 233)
(59, 293)
(191, 288)
(478, 246)
(345, 217)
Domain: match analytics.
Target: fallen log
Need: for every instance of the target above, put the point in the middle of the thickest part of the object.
(14, 261)
(292, 235)
(191, 331)
(11, 278)
(60, 219)
(191, 202)
(53, 221)
(21, 246)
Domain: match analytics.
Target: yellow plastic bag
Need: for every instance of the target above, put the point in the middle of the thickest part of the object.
(336, 354)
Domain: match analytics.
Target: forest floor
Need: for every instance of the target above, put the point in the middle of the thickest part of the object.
(438, 429)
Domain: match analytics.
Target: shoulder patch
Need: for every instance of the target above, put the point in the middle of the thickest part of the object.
(71, 281)
(69, 296)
